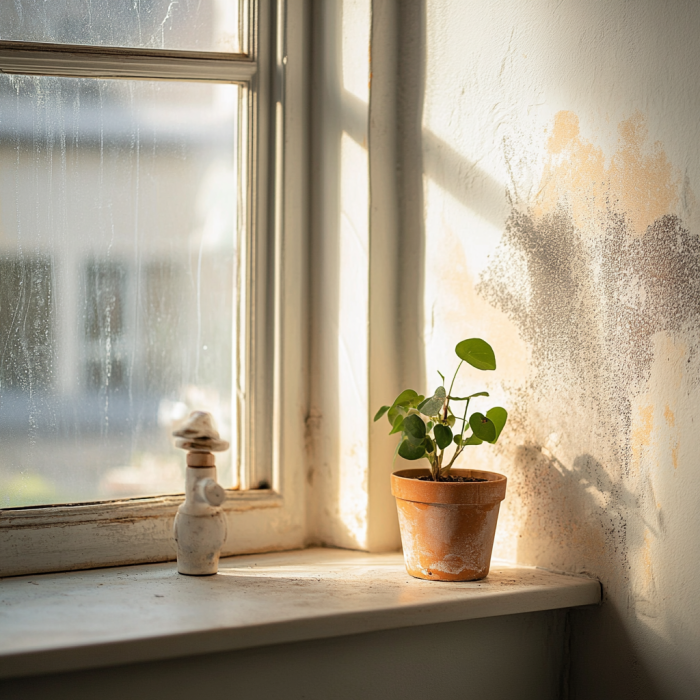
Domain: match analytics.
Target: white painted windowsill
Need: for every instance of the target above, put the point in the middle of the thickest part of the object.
(105, 617)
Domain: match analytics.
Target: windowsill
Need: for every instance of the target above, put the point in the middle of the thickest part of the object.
(106, 617)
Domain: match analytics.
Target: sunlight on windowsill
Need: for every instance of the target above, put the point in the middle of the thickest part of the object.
(106, 617)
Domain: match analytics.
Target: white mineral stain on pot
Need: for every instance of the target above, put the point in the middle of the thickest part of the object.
(451, 564)
(423, 525)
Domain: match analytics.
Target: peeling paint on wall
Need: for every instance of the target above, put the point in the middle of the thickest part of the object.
(638, 182)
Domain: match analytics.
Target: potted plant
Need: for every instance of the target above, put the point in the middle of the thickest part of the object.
(447, 516)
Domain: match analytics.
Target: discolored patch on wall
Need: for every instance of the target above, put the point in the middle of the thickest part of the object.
(588, 306)
(641, 434)
(639, 182)
(590, 272)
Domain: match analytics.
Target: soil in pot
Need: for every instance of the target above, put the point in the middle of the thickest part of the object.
(451, 479)
(448, 527)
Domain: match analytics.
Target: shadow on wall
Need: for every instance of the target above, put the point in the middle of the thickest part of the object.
(328, 109)
(581, 508)
(409, 118)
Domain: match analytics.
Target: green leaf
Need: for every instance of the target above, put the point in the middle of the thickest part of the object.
(498, 417)
(403, 401)
(429, 426)
(472, 440)
(381, 412)
(411, 452)
(451, 420)
(397, 425)
(395, 411)
(429, 445)
(405, 398)
(458, 439)
(414, 427)
(482, 427)
(471, 396)
(443, 436)
(477, 352)
(432, 406)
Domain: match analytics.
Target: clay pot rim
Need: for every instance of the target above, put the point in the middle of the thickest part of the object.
(479, 473)
(405, 486)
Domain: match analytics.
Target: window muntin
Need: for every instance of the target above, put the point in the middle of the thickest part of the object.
(185, 25)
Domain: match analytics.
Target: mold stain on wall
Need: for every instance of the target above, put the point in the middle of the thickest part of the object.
(600, 274)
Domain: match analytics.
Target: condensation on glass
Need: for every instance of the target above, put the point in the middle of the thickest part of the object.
(185, 25)
(118, 282)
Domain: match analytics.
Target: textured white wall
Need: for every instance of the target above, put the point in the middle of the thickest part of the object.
(560, 160)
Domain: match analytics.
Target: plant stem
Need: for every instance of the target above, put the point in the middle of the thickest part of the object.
(455, 377)
(464, 420)
(449, 393)
(460, 447)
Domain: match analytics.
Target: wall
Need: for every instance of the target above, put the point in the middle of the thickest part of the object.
(354, 286)
(559, 167)
(410, 664)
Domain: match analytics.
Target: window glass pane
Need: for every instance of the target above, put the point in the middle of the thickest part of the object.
(26, 328)
(118, 287)
(188, 25)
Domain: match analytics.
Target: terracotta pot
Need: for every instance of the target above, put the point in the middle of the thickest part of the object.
(447, 529)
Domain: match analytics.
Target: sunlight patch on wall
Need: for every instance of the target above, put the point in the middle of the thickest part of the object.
(459, 250)
(353, 339)
(356, 22)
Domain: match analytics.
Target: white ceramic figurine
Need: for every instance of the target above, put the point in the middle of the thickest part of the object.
(200, 526)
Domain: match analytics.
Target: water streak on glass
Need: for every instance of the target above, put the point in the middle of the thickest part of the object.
(117, 282)
(186, 25)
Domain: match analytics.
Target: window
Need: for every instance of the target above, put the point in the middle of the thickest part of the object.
(142, 153)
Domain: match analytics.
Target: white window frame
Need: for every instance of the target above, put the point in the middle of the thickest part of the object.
(273, 63)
